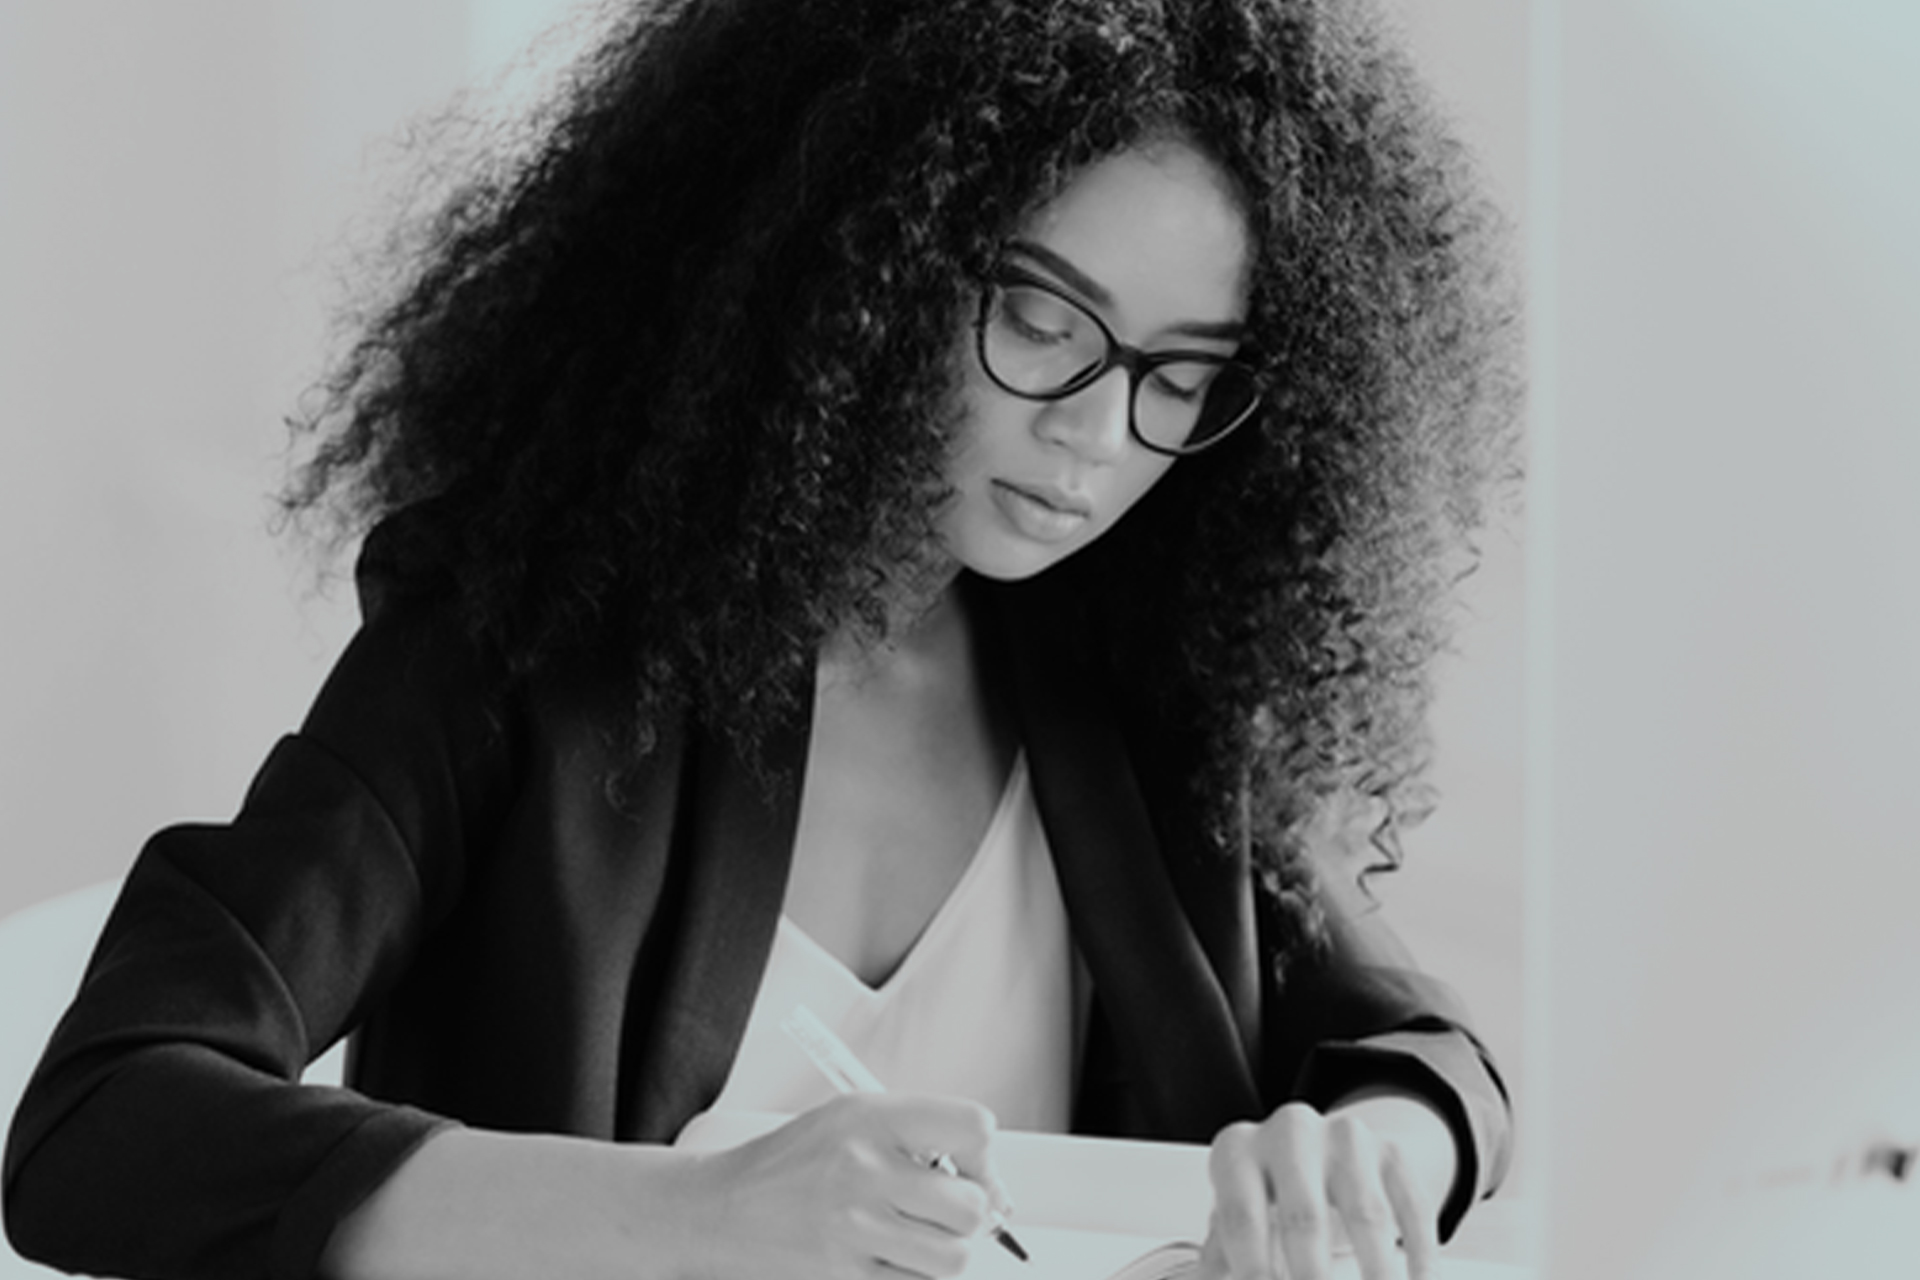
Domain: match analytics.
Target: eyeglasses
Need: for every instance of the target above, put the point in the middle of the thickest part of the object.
(1038, 343)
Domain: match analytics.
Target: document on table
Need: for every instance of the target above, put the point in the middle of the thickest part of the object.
(1093, 1208)
(1077, 1254)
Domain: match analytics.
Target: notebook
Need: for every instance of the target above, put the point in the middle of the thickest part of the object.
(1094, 1208)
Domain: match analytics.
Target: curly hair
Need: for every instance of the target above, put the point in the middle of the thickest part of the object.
(678, 385)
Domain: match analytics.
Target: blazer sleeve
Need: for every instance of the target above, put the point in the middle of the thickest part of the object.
(165, 1131)
(1359, 1015)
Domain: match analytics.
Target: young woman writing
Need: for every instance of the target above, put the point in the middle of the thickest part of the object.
(940, 508)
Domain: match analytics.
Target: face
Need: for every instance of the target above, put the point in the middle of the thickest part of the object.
(1151, 242)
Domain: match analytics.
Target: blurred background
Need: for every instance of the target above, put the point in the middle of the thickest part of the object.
(1672, 871)
(186, 185)
(1724, 696)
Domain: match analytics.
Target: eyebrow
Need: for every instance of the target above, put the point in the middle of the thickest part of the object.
(1090, 289)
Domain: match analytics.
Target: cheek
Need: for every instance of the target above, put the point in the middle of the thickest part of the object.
(969, 462)
(986, 428)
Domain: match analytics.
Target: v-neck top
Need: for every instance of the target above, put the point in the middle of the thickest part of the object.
(981, 1006)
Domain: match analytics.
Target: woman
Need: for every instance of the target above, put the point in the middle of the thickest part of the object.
(940, 506)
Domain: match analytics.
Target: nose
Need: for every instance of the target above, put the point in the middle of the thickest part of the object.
(1092, 422)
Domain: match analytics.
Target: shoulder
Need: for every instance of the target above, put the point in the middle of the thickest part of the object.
(452, 737)
(411, 686)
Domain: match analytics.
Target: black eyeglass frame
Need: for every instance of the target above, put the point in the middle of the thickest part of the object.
(1136, 362)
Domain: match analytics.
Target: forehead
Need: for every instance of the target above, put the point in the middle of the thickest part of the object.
(1158, 229)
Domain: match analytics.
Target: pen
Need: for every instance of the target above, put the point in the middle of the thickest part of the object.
(849, 1075)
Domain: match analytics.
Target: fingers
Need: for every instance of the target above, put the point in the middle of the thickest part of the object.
(1355, 1187)
(1293, 1150)
(845, 1192)
(1270, 1212)
(921, 1217)
(898, 1242)
(921, 1193)
(1239, 1236)
(959, 1129)
(1419, 1230)
(1283, 1187)
(1213, 1260)
(953, 1134)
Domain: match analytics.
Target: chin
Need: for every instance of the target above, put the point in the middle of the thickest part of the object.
(988, 546)
(1018, 563)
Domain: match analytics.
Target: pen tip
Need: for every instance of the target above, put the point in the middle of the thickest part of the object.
(1005, 1237)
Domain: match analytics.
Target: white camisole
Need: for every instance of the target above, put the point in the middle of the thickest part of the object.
(981, 1007)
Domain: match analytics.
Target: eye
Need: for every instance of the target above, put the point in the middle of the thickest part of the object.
(1037, 317)
(1183, 380)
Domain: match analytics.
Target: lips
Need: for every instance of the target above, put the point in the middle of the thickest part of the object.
(1042, 512)
(1047, 495)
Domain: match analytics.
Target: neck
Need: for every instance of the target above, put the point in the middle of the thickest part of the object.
(925, 630)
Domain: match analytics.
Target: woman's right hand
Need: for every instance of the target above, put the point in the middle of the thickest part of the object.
(842, 1192)
(847, 1191)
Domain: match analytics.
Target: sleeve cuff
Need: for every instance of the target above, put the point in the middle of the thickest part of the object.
(356, 1167)
(1405, 1061)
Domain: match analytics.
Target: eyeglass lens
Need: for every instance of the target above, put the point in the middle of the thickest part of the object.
(1039, 343)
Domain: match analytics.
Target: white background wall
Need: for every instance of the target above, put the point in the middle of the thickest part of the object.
(1728, 510)
(173, 177)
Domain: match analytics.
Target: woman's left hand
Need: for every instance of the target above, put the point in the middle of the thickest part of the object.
(1380, 1164)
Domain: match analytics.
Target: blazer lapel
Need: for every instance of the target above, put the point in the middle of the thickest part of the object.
(1169, 1017)
(732, 853)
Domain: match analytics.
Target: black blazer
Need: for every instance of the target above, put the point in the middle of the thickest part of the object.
(451, 868)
